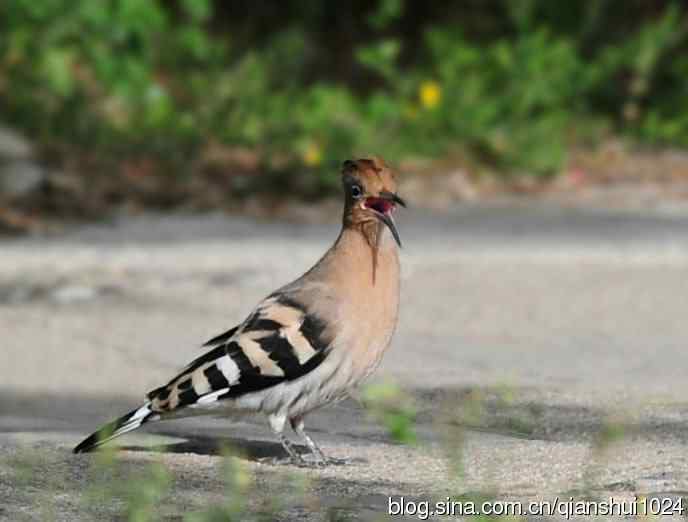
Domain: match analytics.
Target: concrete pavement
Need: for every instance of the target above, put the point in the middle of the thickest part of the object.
(556, 323)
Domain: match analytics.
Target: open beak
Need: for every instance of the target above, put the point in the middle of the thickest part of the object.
(382, 207)
(390, 196)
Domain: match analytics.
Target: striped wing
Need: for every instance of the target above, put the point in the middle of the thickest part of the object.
(280, 341)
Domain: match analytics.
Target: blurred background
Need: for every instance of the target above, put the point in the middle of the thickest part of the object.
(164, 165)
(205, 104)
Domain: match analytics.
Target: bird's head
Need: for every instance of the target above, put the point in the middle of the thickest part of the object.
(370, 190)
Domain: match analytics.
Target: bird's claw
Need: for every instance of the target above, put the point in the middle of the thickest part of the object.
(321, 461)
(333, 461)
(281, 461)
(306, 461)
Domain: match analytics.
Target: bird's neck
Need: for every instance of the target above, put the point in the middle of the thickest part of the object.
(365, 251)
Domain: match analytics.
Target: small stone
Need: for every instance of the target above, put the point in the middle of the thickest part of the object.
(18, 178)
(73, 293)
(13, 146)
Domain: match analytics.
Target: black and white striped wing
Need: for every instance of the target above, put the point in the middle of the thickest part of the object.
(280, 341)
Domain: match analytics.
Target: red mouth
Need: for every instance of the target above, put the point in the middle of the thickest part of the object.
(382, 210)
(381, 205)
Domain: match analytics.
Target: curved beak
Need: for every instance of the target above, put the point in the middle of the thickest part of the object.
(387, 220)
(385, 216)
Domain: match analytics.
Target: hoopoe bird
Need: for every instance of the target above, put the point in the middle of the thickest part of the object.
(307, 344)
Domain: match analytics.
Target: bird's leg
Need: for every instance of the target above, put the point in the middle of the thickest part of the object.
(320, 459)
(277, 424)
(297, 425)
(289, 447)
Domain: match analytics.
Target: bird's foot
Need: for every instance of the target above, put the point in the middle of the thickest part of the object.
(333, 461)
(300, 461)
(284, 461)
(307, 461)
(321, 461)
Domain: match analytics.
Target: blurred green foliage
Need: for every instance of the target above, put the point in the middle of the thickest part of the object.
(306, 84)
(394, 409)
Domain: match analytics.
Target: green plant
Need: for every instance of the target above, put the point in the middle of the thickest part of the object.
(387, 403)
(141, 88)
(237, 483)
(145, 493)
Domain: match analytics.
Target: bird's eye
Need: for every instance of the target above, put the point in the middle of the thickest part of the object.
(356, 191)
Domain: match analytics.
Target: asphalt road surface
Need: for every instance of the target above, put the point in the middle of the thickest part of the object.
(545, 350)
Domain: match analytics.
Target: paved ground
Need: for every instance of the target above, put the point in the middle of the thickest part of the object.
(550, 343)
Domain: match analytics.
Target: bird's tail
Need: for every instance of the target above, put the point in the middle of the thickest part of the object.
(124, 424)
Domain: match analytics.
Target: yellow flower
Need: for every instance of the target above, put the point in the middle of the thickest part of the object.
(312, 155)
(430, 94)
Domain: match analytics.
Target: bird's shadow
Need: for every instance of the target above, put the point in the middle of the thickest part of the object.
(254, 450)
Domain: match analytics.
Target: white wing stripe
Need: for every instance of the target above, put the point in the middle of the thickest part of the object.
(229, 369)
(211, 397)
